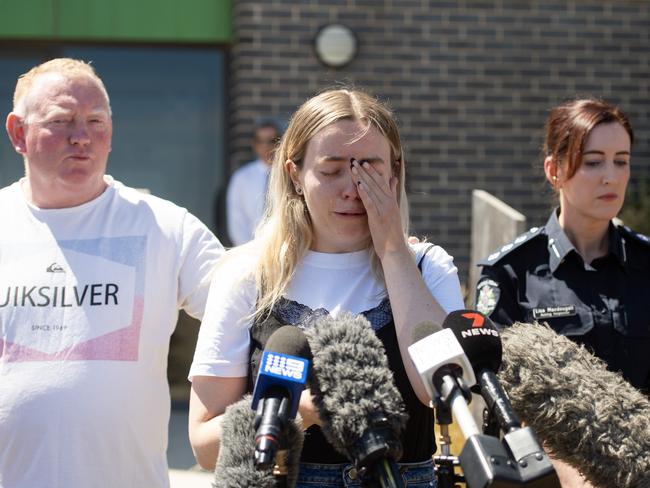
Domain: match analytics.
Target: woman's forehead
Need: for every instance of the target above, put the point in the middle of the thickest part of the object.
(347, 134)
(608, 133)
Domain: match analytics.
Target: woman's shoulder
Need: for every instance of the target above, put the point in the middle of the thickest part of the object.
(635, 237)
(237, 262)
(521, 247)
(433, 260)
(232, 290)
(429, 252)
(637, 247)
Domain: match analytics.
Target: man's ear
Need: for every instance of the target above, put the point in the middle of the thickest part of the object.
(16, 131)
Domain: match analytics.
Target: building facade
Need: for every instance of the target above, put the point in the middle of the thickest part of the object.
(471, 82)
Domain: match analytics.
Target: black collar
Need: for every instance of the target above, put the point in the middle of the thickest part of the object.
(617, 245)
(559, 245)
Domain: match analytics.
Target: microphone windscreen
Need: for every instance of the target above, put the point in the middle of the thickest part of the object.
(289, 340)
(478, 337)
(424, 329)
(584, 414)
(351, 380)
(236, 461)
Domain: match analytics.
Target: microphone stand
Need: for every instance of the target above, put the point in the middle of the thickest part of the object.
(280, 469)
(487, 461)
(484, 460)
(444, 464)
(533, 464)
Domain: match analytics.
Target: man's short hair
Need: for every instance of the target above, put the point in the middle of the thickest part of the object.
(267, 124)
(67, 67)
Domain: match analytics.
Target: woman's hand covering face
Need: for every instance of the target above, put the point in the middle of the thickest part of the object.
(378, 192)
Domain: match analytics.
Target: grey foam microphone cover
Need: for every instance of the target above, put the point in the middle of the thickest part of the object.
(351, 380)
(585, 415)
(236, 461)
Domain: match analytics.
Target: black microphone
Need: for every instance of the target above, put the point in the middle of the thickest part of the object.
(236, 461)
(362, 411)
(281, 378)
(481, 342)
(586, 415)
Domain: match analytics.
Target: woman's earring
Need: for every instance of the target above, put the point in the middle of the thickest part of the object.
(298, 190)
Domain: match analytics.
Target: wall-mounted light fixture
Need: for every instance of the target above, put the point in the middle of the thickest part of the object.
(335, 45)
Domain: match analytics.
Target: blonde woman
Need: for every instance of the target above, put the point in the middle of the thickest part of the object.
(333, 239)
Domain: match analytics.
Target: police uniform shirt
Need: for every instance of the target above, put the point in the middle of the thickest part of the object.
(605, 304)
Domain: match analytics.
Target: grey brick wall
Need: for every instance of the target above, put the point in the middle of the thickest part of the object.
(471, 82)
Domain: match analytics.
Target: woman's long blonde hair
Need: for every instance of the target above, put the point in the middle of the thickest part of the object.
(285, 234)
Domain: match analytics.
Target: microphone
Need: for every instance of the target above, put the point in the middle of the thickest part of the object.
(276, 396)
(236, 461)
(587, 416)
(362, 410)
(481, 342)
(447, 374)
(448, 365)
(445, 370)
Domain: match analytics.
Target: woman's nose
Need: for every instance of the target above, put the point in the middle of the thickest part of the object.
(610, 173)
(350, 190)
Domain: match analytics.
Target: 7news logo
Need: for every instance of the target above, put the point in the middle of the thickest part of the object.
(479, 326)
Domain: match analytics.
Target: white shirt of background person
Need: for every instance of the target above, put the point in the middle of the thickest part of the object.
(247, 188)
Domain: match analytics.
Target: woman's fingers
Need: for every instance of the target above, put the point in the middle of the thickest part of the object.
(372, 185)
(379, 197)
(372, 177)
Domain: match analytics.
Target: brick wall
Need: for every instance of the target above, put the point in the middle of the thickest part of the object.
(470, 81)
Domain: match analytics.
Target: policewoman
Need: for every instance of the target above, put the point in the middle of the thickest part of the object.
(587, 277)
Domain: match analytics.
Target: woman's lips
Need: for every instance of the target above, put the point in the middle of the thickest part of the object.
(351, 213)
(608, 196)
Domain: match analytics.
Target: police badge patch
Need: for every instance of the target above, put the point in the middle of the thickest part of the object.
(487, 296)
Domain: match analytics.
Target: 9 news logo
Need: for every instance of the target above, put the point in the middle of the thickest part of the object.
(285, 366)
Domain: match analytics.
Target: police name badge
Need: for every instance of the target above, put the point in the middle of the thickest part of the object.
(554, 312)
(487, 296)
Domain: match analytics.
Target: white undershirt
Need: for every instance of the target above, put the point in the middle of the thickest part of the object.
(335, 282)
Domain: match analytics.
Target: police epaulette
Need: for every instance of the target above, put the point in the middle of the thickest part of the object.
(508, 248)
(634, 235)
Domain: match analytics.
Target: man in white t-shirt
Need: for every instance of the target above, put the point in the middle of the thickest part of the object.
(247, 187)
(92, 275)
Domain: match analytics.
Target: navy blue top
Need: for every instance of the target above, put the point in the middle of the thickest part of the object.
(418, 441)
(604, 305)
